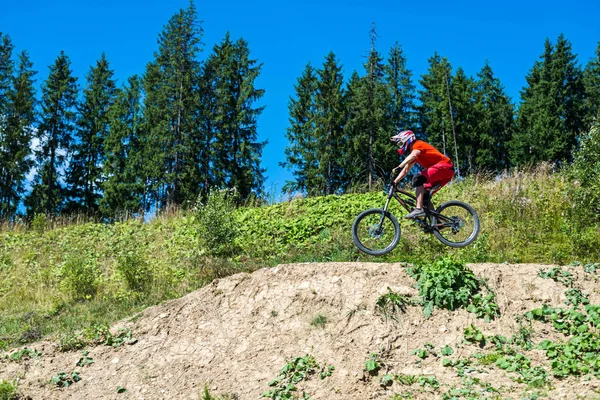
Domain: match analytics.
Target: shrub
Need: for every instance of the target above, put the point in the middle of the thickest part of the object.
(217, 227)
(446, 283)
(586, 174)
(135, 270)
(80, 277)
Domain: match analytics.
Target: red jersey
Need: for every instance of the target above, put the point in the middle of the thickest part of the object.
(429, 155)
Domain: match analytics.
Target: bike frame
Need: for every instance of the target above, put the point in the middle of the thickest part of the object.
(428, 224)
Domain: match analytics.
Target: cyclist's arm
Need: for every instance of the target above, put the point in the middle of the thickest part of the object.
(407, 164)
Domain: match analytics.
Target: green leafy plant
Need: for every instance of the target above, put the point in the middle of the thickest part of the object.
(424, 353)
(85, 360)
(24, 354)
(576, 297)
(473, 335)
(446, 283)
(373, 364)
(63, 379)
(447, 350)
(557, 274)
(295, 371)
(121, 389)
(134, 269)
(484, 306)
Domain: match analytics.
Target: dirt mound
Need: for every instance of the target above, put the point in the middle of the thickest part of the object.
(235, 335)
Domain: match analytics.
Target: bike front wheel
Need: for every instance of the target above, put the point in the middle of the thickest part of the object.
(456, 224)
(376, 232)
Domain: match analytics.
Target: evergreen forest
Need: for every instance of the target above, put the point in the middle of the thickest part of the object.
(189, 124)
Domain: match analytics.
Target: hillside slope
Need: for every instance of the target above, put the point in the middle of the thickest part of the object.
(235, 335)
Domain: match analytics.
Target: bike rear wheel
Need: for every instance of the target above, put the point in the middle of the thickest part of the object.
(376, 232)
(457, 224)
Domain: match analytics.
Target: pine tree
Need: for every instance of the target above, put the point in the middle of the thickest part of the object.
(370, 149)
(85, 169)
(18, 134)
(402, 90)
(124, 163)
(329, 126)
(591, 80)
(59, 99)
(434, 112)
(301, 153)
(171, 107)
(550, 117)
(464, 146)
(6, 74)
(237, 151)
(494, 122)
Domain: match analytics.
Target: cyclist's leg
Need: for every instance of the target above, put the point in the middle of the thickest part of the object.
(420, 184)
(439, 174)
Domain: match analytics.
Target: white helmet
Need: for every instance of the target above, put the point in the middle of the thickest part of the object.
(403, 137)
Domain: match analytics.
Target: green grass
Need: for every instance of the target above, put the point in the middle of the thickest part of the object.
(60, 276)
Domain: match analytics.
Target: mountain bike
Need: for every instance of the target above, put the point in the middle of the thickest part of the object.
(376, 231)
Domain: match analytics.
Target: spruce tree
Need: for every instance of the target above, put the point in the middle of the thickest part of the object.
(465, 137)
(18, 135)
(6, 75)
(591, 80)
(550, 117)
(368, 130)
(124, 165)
(237, 151)
(302, 150)
(84, 177)
(329, 127)
(171, 107)
(434, 111)
(494, 122)
(59, 99)
(402, 90)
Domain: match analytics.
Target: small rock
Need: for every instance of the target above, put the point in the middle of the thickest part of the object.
(443, 328)
(115, 360)
(163, 315)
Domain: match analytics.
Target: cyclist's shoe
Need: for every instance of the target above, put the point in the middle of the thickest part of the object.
(415, 213)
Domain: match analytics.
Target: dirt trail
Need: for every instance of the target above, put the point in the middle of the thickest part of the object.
(237, 333)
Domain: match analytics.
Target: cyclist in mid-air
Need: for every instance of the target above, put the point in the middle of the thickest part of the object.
(438, 169)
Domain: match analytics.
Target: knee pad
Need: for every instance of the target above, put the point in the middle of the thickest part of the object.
(418, 180)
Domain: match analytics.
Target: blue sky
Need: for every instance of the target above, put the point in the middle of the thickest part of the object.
(285, 35)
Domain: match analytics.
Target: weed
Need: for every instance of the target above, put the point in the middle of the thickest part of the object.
(484, 306)
(62, 379)
(392, 303)
(135, 270)
(295, 371)
(422, 380)
(207, 396)
(319, 321)
(424, 353)
(576, 297)
(274, 313)
(462, 365)
(352, 312)
(121, 389)
(514, 363)
(85, 360)
(474, 336)
(447, 350)
(24, 354)
(217, 230)
(557, 274)
(8, 390)
(445, 284)
(373, 364)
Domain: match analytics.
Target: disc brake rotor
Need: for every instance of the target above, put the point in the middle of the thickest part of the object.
(375, 232)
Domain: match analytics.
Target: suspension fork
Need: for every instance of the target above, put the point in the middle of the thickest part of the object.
(385, 207)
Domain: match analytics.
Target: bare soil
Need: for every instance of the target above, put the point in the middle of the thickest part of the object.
(235, 335)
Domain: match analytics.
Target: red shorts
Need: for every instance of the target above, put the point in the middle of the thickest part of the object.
(438, 174)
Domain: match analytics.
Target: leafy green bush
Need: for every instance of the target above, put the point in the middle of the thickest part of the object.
(295, 371)
(216, 225)
(446, 283)
(135, 270)
(80, 276)
(586, 173)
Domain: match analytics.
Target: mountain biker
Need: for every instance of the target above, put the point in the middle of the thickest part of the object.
(438, 169)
